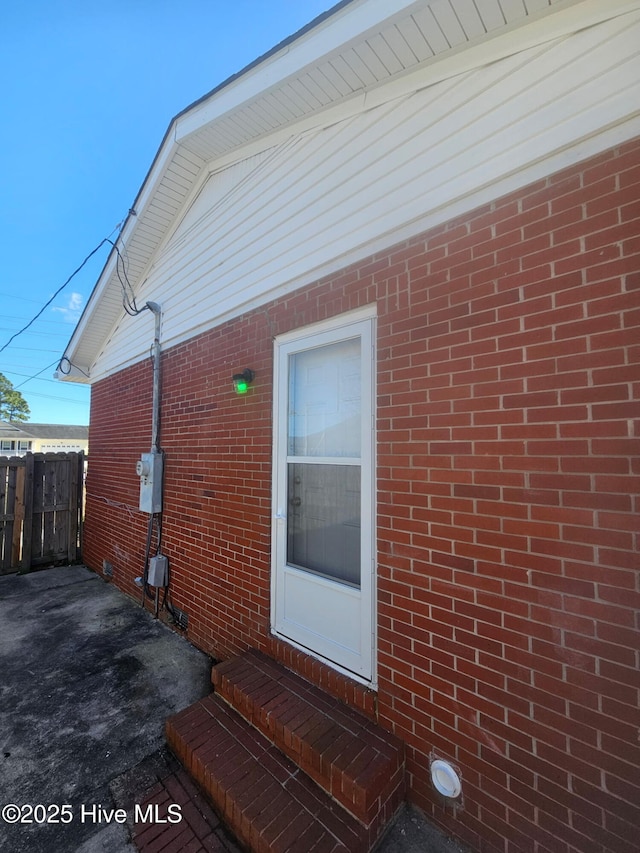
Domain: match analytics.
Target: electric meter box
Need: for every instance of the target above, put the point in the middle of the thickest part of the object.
(149, 469)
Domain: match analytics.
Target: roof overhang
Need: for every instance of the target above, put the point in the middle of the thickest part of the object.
(359, 53)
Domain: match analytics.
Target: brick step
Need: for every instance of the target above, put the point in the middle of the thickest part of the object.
(353, 760)
(262, 796)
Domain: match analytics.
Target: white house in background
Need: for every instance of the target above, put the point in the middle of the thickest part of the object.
(17, 438)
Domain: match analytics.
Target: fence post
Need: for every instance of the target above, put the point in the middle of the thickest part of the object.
(72, 541)
(18, 522)
(27, 527)
(81, 474)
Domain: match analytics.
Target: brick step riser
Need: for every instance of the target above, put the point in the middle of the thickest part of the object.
(354, 761)
(263, 797)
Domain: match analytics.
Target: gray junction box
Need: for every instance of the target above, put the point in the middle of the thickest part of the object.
(158, 570)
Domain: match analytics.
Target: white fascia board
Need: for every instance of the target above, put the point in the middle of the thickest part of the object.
(331, 35)
(89, 315)
(352, 23)
(74, 374)
(492, 48)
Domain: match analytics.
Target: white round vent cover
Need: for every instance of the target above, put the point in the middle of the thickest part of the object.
(445, 779)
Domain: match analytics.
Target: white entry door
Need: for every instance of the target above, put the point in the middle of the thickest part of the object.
(323, 566)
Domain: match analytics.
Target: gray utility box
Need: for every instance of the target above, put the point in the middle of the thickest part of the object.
(158, 570)
(149, 469)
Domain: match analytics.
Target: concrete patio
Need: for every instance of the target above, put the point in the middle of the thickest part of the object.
(88, 679)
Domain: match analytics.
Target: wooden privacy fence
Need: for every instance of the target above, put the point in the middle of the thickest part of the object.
(40, 509)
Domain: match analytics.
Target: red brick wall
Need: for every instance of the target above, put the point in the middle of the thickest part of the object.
(508, 482)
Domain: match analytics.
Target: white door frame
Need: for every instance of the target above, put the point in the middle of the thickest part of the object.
(353, 651)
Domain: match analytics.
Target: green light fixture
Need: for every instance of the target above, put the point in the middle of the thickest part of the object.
(241, 381)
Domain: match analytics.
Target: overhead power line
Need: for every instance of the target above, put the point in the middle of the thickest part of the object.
(61, 288)
(35, 376)
(28, 378)
(66, 400)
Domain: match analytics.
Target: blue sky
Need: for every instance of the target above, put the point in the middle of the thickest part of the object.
(88, 92)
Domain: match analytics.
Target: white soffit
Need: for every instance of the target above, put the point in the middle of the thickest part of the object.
(367, 49)
(366, 45)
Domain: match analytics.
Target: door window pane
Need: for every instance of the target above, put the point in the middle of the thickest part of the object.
(323, 531)
(325, 401)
